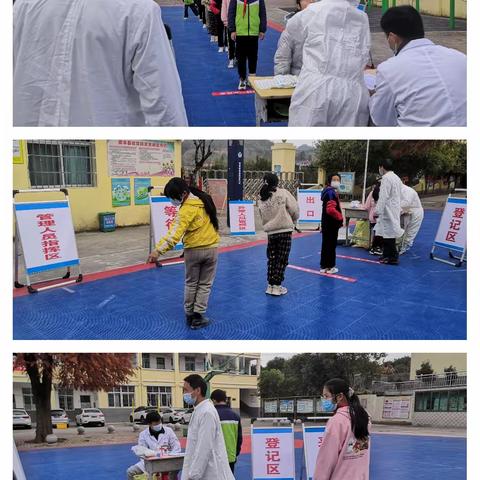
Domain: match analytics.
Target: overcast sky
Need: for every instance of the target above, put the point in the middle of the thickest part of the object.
(301, 142)
(266, 357)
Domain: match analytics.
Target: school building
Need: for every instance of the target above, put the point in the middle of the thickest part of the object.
(158, 381)
(100, 175)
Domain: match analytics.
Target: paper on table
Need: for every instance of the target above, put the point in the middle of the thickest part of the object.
(279, 81)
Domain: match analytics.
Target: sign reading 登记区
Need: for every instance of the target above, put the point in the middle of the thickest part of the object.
(273, 453)
(242, 217)
(47, 234)
(312, 439)
(310, 204)
(163, 214)
(452, 232)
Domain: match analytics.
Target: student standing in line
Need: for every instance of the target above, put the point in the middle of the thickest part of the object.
(232, 61)
(279, 211)
(332, 220)
(247, 22)
(189, 4)
(197, 223)
(216, 6)
(345, 449)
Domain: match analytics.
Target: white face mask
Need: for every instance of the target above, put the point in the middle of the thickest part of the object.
(335, 184)
(157, 428)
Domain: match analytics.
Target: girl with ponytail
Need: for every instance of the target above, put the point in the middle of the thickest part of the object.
(345, 449)
(197, 223)
(279, 212)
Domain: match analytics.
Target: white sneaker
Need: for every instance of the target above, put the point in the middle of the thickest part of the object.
(205, 25)
(231, 64)
(269, 290)
(212, 39)
(220, 50)
(332, 270)
(278, 290)
(242, 85)
(323, 270)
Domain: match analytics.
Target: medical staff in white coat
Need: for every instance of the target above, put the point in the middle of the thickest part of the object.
(93, 63)
(331, 89)
(288, 57)
(205, 454)
(388, 211)
(423, 84)
(157, 437)
(413, 217)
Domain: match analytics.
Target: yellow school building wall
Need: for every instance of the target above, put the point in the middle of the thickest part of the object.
(87, 202)
(438, 361)
(433, 7)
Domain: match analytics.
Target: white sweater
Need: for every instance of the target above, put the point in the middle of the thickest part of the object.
(279, 213)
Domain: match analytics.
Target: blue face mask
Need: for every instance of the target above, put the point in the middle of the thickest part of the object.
(328, 405)
(157, 428)
(188, 399)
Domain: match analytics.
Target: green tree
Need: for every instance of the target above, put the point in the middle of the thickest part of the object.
(277, 363)
(270, 383)
(425, 368)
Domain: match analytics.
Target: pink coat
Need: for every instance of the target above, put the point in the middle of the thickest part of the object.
(224, 14)
(370, 205)
(341, 455)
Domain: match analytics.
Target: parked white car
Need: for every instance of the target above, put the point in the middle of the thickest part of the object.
(169, 415)
(140, 413)
(21, 419)
(185, 416)
(59, 416)
(89, 416)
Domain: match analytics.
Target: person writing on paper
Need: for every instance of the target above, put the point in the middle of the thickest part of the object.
(205, 454)
(423, 84)
(345, 449)
(288, 57)
(413, 211)
(331, 89)
(388, 212)
(279, 212)
(161, 439)
(93, 63)
(197, 223)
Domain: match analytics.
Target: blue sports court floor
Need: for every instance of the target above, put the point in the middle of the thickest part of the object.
(203, 71)
(419, 299)
(393, 457)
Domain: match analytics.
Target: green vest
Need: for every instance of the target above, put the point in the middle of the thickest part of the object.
(230, 435)
(188, 2)
(248, 25)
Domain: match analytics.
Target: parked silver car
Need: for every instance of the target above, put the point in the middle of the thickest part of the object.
(59, 416)
(21, 419)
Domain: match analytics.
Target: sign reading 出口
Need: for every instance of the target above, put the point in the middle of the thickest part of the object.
(141, 158)
(310, 204)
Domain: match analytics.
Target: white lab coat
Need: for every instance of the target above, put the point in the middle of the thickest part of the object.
(388, 207)
(288, 57)
(93, 63)
(206, 455)
(411, 206)
(167, 443)
(331, 89)
(425, 85)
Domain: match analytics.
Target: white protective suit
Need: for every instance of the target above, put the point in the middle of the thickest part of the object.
(167, 443)
(93, 63)
(331, 89)
(412, 206)
(388, 207)
(206, 455)
(425, 85)
(288, 57)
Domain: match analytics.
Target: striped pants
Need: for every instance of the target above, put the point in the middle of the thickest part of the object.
(278, 251)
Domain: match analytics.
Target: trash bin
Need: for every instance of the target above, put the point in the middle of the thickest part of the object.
(107, 221)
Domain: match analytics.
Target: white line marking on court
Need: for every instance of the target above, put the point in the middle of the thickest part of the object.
(69, 290)
(109, 299)
(306, 256)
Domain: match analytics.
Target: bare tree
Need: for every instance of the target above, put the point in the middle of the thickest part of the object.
(203, 151)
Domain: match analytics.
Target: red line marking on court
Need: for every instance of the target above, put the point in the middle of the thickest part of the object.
(232, 92)
(91, 277)
(359, 259)
(276, 26)
(330, 275)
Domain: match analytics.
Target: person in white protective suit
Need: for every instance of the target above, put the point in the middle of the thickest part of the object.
(413, 217)
(93, 63)
(288, 57)
(158, 438)
(388, 211)
(205, 455)
(331, 89)
(423, 84)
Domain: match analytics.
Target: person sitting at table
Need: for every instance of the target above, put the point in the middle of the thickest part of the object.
(331, 89)
(423, 84)
(288, 57)
(156, 437)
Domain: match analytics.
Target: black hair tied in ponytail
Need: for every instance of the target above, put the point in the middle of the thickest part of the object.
(358, 415)
(270, 183)
(175, 189)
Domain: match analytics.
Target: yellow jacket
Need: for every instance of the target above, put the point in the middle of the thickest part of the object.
(193, 224)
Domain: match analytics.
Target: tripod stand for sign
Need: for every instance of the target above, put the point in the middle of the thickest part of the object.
(40, 254)
(453, 224)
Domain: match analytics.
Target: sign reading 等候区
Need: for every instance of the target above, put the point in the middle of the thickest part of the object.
(242, 217)
(310, 204)
(47, 235)
(141, 158)
(452, 231)
(312, 439)
(273, 453)
(163, 214)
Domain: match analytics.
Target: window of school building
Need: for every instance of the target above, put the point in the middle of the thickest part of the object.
(159, 396)
(122, 396)
(28, 403)
(441, 401)
(65, 398)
